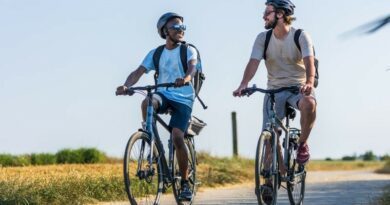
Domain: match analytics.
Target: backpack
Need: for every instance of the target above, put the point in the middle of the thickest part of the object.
(296, 40)
(199, 77)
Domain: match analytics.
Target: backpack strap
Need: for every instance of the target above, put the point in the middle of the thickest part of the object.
(183, 56)
(267, 39)
(156, 61)
(296, 38)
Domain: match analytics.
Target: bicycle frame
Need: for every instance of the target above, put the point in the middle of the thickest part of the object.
(151, 129)
(271, 127)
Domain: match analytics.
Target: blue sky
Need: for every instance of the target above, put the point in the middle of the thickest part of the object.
(60, 62)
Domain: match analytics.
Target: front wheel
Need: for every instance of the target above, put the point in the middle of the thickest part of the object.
(191, 173)
(143, 181)
(297, 177)
(267, 178)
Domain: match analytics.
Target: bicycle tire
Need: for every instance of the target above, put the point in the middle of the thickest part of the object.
(191, 173)
(263, 174)
(142, 186)
(297, 178)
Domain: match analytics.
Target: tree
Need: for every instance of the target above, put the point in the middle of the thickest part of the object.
(369, 156)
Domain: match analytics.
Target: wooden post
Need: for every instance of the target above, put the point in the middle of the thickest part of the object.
(234, 129)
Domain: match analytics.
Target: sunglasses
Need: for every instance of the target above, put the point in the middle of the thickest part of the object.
(178, 27)
(266, 13)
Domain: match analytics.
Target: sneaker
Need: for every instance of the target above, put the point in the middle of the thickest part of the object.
(267, 193)
(185, 192)
(303, 154)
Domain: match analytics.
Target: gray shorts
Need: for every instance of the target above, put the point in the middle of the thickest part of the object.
(281, 99)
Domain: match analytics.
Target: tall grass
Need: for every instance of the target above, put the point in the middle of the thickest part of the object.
(61, 184)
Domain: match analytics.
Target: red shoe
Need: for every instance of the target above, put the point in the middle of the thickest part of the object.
(303, 154)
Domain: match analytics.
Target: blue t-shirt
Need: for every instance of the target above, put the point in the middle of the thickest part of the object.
(171, 68)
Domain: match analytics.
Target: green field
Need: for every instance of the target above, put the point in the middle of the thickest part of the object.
(81, 184)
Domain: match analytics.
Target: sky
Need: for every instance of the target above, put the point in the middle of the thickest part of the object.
(61, 61)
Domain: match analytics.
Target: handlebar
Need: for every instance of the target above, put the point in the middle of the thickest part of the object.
(148, 88)
(251, 90)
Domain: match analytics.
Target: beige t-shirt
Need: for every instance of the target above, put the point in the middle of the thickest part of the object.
(284, 61)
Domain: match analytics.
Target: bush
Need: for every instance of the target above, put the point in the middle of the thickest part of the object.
(349, 158)
(43, 159)
(68, 156)
(64, 156)
(92, 155)
(82, 155)
(10, 160)
(385, 157)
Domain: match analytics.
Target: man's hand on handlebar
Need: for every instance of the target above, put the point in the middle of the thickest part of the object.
(122, 90)
(238, 92)
(181, 82)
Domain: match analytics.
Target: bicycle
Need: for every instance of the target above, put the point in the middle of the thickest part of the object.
(147, 173)
(268, 155)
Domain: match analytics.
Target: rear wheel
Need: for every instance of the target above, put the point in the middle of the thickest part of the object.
(297, 177)
(267, 180)
(191, 173)
(143, 181)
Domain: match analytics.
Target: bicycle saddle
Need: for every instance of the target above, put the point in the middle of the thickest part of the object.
(290, 111)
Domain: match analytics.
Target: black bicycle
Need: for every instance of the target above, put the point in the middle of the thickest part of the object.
(147, 173)
(269, 159)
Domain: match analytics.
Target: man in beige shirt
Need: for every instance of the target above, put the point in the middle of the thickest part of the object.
(286, 66)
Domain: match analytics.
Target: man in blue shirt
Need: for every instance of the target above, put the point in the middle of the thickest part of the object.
(179, 99)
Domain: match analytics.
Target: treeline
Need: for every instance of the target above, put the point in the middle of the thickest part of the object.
(367, 156)
(64, 156)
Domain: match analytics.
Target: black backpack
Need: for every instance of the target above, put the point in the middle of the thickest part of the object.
(199, 77)
(296, 40)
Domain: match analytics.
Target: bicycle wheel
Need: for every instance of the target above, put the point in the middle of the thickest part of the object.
(267, 181)
(191, 173)
(297, 177)
(143, 182)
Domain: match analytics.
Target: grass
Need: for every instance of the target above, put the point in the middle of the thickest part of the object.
(322, 165)
(61, 184)
(83, 184)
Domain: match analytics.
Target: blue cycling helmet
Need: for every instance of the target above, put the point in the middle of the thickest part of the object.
(164, 20)
(286, 5)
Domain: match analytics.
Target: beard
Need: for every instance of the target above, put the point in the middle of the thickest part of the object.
(271, 24)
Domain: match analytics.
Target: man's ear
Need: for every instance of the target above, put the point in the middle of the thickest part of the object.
(280, 14)
(165, 31)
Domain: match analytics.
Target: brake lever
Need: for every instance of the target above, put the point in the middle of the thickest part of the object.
(130, 92)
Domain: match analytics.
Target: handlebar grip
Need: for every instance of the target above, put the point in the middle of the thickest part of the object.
(247, 91)
(130, 92)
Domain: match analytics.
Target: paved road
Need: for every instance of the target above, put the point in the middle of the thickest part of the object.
(323, 188)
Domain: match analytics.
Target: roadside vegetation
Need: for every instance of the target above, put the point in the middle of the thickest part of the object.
(64, 181)
(64, 156)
